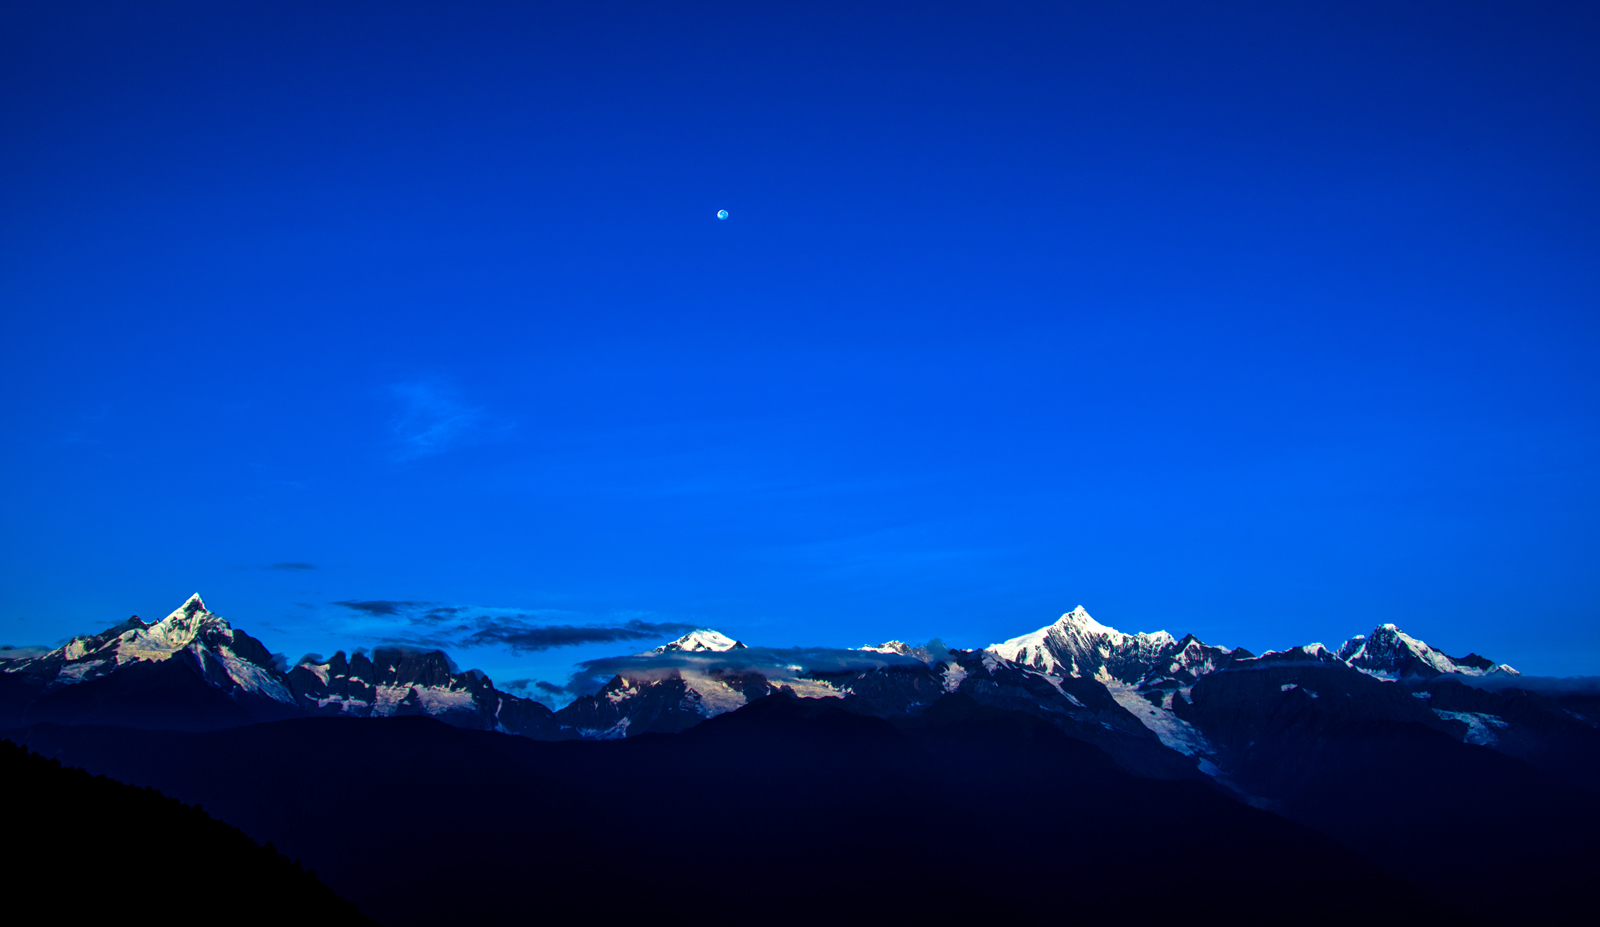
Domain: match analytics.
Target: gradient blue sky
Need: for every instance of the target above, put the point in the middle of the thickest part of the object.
(1266, 321)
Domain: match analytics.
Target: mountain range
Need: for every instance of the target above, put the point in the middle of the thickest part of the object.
(1156, 703)
(1453, 774)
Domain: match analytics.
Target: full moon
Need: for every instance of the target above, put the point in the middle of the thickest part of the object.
(722, 214)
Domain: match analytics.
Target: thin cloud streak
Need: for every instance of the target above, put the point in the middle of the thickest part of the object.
(523, 638)
(379, 607)
(431, 418)
(430, 624)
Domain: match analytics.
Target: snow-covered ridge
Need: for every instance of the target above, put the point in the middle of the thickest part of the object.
(1145, 681)
(1078, 645)
(1389, 653)
(226, 657)
(1148, 672)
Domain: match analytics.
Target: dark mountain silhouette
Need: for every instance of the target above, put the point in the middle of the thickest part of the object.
(1371, 764)
(787, 810)
(86, 845)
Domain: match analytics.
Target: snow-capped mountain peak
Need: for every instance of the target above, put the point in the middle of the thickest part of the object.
(1390, 653)
(701, 640)
(226, 658)
(1078, 645)
(900, 647)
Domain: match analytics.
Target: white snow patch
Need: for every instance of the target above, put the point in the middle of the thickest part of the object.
(716, 696)
(628, 690)
(615, 732)
(253, 678)
(78, 672)
(814, 688)
(1173, 731)
(1480, 725)
(954, 673)
(432, 699)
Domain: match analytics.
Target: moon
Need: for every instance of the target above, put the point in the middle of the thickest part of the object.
(722, 214)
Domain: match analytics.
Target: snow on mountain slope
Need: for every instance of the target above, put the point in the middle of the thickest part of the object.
(1174, 732)
(228, 658)
(1143, 672)
(1481, 726)
(701, 640)
(1077, 645)
(1147, 672)
(1390, 653)
(1092, 675)
(715, 694)
(401, 681)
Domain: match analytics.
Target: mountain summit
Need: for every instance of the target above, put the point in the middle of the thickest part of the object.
(1078, 645)
(1390, 653)
(701, 640)
(226, 658)
(192, 670)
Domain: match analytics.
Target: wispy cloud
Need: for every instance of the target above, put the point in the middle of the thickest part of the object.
(432, 417)
(379, 607)
(522, 637)
(430, 624)
(290, 565)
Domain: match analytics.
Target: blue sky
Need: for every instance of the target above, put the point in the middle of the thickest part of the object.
(1267, 322)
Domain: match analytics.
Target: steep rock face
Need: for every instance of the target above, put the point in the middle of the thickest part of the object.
(1152, 675)
(1077, 645)
(1083, 708)
(893, 691)
(1264, 720)
(1390, 653)
(193, 670)
(396, 681)
(624, 708)
(661, 703)
(1536, 729)
(1249, 705)
(226, 658)
(1142, 672)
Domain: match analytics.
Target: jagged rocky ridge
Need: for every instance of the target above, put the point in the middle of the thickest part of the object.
(193, 670)
(1161, 706)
